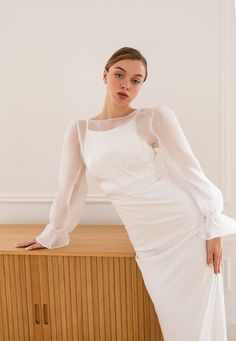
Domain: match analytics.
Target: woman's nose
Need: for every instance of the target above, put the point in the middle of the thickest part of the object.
(126, 86)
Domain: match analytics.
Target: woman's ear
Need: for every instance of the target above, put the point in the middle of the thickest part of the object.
(105, 76)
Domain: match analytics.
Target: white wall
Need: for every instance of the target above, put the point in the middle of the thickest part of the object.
(52, 59)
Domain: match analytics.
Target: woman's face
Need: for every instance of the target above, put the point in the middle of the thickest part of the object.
(124, 76)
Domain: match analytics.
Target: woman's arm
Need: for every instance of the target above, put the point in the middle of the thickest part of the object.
(178, 155)
(68, 205)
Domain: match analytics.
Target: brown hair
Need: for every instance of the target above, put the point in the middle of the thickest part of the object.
(127, 53)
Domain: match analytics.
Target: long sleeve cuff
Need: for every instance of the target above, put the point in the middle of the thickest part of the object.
(216, 224)
(51, 238)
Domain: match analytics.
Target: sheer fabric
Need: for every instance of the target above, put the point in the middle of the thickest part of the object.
(159, 128)
(68, 205)
(177, 154)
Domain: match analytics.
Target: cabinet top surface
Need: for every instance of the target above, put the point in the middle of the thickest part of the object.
(85, 240)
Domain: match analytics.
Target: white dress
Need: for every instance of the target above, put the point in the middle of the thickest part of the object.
(145, 166)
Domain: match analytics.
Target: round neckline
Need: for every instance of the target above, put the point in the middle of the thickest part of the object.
(113, 118)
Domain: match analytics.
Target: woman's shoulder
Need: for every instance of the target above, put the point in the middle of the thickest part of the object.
(163, 110)
(157, 110)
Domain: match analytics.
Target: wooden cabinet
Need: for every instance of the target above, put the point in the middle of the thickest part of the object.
(89, 290)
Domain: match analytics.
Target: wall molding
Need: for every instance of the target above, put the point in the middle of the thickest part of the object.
(46, 198)
(225, 97)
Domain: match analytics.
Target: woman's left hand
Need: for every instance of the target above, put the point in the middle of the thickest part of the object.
(214, 253)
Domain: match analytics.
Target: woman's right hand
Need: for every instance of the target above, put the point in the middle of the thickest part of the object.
(30, 245)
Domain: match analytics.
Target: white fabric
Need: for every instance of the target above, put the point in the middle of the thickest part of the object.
(145, 166)
(176, 151)
(176, 155)
(69, 202)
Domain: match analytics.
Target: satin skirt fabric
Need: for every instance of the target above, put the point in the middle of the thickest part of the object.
(162, 222)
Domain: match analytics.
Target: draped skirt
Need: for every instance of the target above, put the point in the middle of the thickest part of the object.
(162, 222)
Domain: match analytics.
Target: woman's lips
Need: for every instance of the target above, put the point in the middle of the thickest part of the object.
(121, 95)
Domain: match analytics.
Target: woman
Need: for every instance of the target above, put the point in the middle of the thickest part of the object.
(172, 212)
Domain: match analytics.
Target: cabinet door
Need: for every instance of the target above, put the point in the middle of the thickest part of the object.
(63, 295)
(53, 284)
(35, 283)
(17, 315)
(56, 299)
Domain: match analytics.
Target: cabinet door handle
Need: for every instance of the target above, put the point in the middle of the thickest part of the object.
(37, 313)
(45, 314)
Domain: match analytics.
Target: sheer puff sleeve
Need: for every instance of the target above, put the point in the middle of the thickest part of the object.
(68, 205)
(183, 168)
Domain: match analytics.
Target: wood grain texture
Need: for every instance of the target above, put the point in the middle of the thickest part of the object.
(96, 297)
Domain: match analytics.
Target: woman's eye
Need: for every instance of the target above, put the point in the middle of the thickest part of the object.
(135, 80)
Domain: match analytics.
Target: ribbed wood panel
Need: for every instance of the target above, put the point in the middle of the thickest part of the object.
(14, 300)
(74, 298)
(89, 290)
